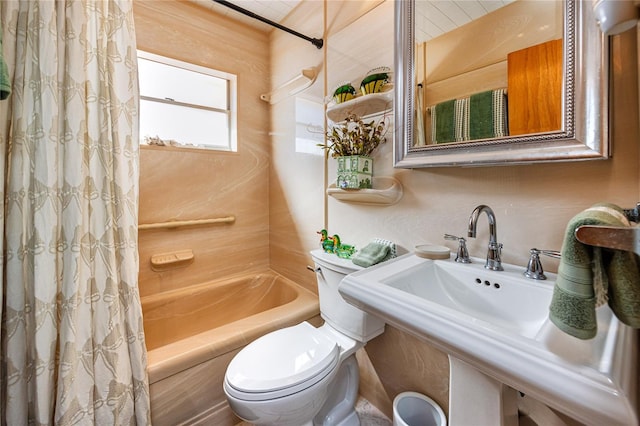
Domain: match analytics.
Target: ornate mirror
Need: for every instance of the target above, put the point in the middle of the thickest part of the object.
(527, 82)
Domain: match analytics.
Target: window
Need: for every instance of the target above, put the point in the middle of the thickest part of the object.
(309, 126)
(185, 104)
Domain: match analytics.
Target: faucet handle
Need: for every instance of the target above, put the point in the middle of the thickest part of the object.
(534, 267)
(551, 253)
(462, 255)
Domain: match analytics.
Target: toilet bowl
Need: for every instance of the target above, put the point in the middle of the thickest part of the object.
(302, 375)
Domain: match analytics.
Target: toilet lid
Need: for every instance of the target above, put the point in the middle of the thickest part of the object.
(282, 359)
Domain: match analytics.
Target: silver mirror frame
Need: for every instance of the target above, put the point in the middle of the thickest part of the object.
(585, 133)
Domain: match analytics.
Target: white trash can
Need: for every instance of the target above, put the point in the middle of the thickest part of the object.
(415, 409)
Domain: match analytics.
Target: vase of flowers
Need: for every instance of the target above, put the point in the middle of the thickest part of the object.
(352, 142)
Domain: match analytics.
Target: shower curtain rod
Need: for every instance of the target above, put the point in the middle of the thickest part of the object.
(317, 42)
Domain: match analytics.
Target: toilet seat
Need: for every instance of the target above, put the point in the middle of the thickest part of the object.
(281, 363)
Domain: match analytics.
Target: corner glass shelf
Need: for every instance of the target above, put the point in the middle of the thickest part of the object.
(386, 191)
(365, 105)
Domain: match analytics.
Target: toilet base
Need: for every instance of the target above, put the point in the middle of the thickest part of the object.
(340, 408)
(351, 420)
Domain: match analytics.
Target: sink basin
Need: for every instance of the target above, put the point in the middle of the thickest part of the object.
(497, 322)
(507, 301)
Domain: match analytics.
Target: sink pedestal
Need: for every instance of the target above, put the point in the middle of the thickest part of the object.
(477, 399)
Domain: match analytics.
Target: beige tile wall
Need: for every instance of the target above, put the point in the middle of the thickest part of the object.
(184, 184)
(296, 183)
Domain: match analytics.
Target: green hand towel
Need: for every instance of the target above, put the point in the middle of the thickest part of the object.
(623, 272)
(443, 121)
(481, 115)
(487, 115)
(5, 83)
(371, 254)
(573, 303)
(393, 252)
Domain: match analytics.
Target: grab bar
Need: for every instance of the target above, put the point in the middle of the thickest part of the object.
(614, 237)
(183, 223)
(618, 238)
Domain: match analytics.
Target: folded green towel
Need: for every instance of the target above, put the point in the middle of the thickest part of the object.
(481, 116)
(574, 299)
(624, 287)
(392, 248)
(448, 123)
(5, 83)
(487, 115)
(371, 254)
(443, 121)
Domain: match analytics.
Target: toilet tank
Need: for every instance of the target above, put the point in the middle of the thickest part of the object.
(346, 318)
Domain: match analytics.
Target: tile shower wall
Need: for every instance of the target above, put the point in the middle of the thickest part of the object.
(532, 203)
(185, 184)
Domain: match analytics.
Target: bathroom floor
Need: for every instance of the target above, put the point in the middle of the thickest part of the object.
(369, 415)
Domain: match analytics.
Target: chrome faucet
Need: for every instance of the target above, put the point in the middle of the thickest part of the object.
(493, 254)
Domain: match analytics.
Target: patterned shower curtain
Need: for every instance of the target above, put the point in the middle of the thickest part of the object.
(72, 343)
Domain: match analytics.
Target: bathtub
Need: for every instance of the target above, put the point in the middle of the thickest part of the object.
(193, 333)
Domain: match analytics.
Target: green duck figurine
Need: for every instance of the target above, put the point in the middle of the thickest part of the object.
(326, 242)
(323, 235)
(345, 251)
(336, 243)
(342, 250)
(328, 245)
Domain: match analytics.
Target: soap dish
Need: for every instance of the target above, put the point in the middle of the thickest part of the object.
(430, 251)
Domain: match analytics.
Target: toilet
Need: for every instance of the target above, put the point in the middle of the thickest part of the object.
(303, 375)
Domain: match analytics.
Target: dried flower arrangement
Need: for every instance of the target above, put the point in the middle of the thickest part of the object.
(354, 136)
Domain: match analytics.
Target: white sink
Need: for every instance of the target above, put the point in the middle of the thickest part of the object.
(497, 322)
(476, 292)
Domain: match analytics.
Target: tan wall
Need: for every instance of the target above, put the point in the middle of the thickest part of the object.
(296, 180)
(533, 203)
(184, 184)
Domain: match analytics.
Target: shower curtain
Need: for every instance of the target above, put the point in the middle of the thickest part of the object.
(72, 342)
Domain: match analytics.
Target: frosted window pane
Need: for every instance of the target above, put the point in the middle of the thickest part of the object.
(309, 126)
(187, 126)
(164, 81)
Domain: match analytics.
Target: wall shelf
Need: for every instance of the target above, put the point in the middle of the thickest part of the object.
(175, 259)
(386, 191)
(365, 105)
